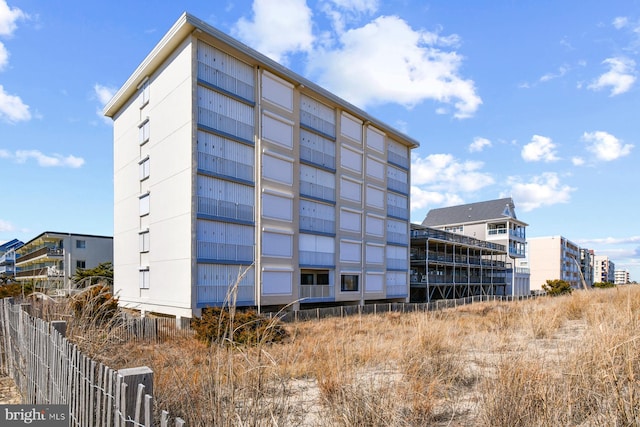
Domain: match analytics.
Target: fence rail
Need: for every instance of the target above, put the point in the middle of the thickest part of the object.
(402, 307)
(48, 369)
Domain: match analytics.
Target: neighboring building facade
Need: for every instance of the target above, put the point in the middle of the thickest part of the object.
(587, 265)
(622, 277)
(554, 258)
(51, 259)
(8, 258)
(446, 265)
(604, 270)
(493, 221)
(227, 162)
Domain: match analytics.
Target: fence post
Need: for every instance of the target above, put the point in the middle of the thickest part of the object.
(132, 377)
(60, 326)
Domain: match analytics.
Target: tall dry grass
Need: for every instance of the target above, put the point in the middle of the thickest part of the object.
(569, 360)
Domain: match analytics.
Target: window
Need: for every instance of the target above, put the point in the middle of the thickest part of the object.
(81, 244)
(145, 93)
(144, 204)
(144, 241)
(144, 278)
(81, 264)
(144, 168)
(320, 278)
(143, 132)
(349, 282)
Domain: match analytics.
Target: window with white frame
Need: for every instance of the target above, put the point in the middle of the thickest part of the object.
(81, 244)
(144, 241)
(277, 206)
(350, 220)
(277, 168)
(144, 278)
(277, 244)
(144, 204)
(375, 139)
(144, 168)
(349, 282)
(375, 225)
(143, 131)
(350, 190)
(81, 263)
(145, 93)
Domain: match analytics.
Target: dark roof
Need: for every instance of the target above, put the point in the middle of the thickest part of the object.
(11, 244)
(471, 212)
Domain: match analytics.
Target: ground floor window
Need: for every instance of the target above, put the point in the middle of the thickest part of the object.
(314, 277)
(349, 282)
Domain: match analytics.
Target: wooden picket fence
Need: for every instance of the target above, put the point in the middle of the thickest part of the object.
(49, 369)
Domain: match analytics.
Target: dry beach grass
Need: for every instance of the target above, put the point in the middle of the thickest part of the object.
(571, 360)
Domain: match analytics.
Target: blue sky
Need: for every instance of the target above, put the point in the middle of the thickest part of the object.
(537, 100)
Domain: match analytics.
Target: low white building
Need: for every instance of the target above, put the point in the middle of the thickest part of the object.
(50, 259)
(621, 277)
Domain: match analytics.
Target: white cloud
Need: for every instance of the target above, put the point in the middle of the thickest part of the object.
(55, 160)
(620, 22)
(421, 198)
(357, 5)
(620, 77)
(6, 226)
(550, 76)
(386, 61)
(12, 109)
(605, 146)
(542, 190)
(342, 12)
(444, 173)
(577, 161)
(277, 28)
(540, 148)
(8, 18)
(104, 93)
(612, 240)
(479, 144)
(4, 57)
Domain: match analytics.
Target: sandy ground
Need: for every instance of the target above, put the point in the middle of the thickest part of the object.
(9, 392)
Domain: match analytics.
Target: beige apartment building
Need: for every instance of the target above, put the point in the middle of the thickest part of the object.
(226, 162)
(554, 258)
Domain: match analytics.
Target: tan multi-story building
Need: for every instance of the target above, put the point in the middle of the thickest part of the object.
(554, 258)
(492, 221)
(50, 259)
(227, 162)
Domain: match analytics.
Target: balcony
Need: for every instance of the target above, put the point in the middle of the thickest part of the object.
(42, 272)
(317, 291)
(41, 252)
(226, 167)
(308, 223)
(225, 252)
(225, 209)
(313, 258)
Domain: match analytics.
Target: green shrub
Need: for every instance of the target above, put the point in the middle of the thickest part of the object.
(557, 287)
(604, 285)
(218, 325)
(15, 290)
